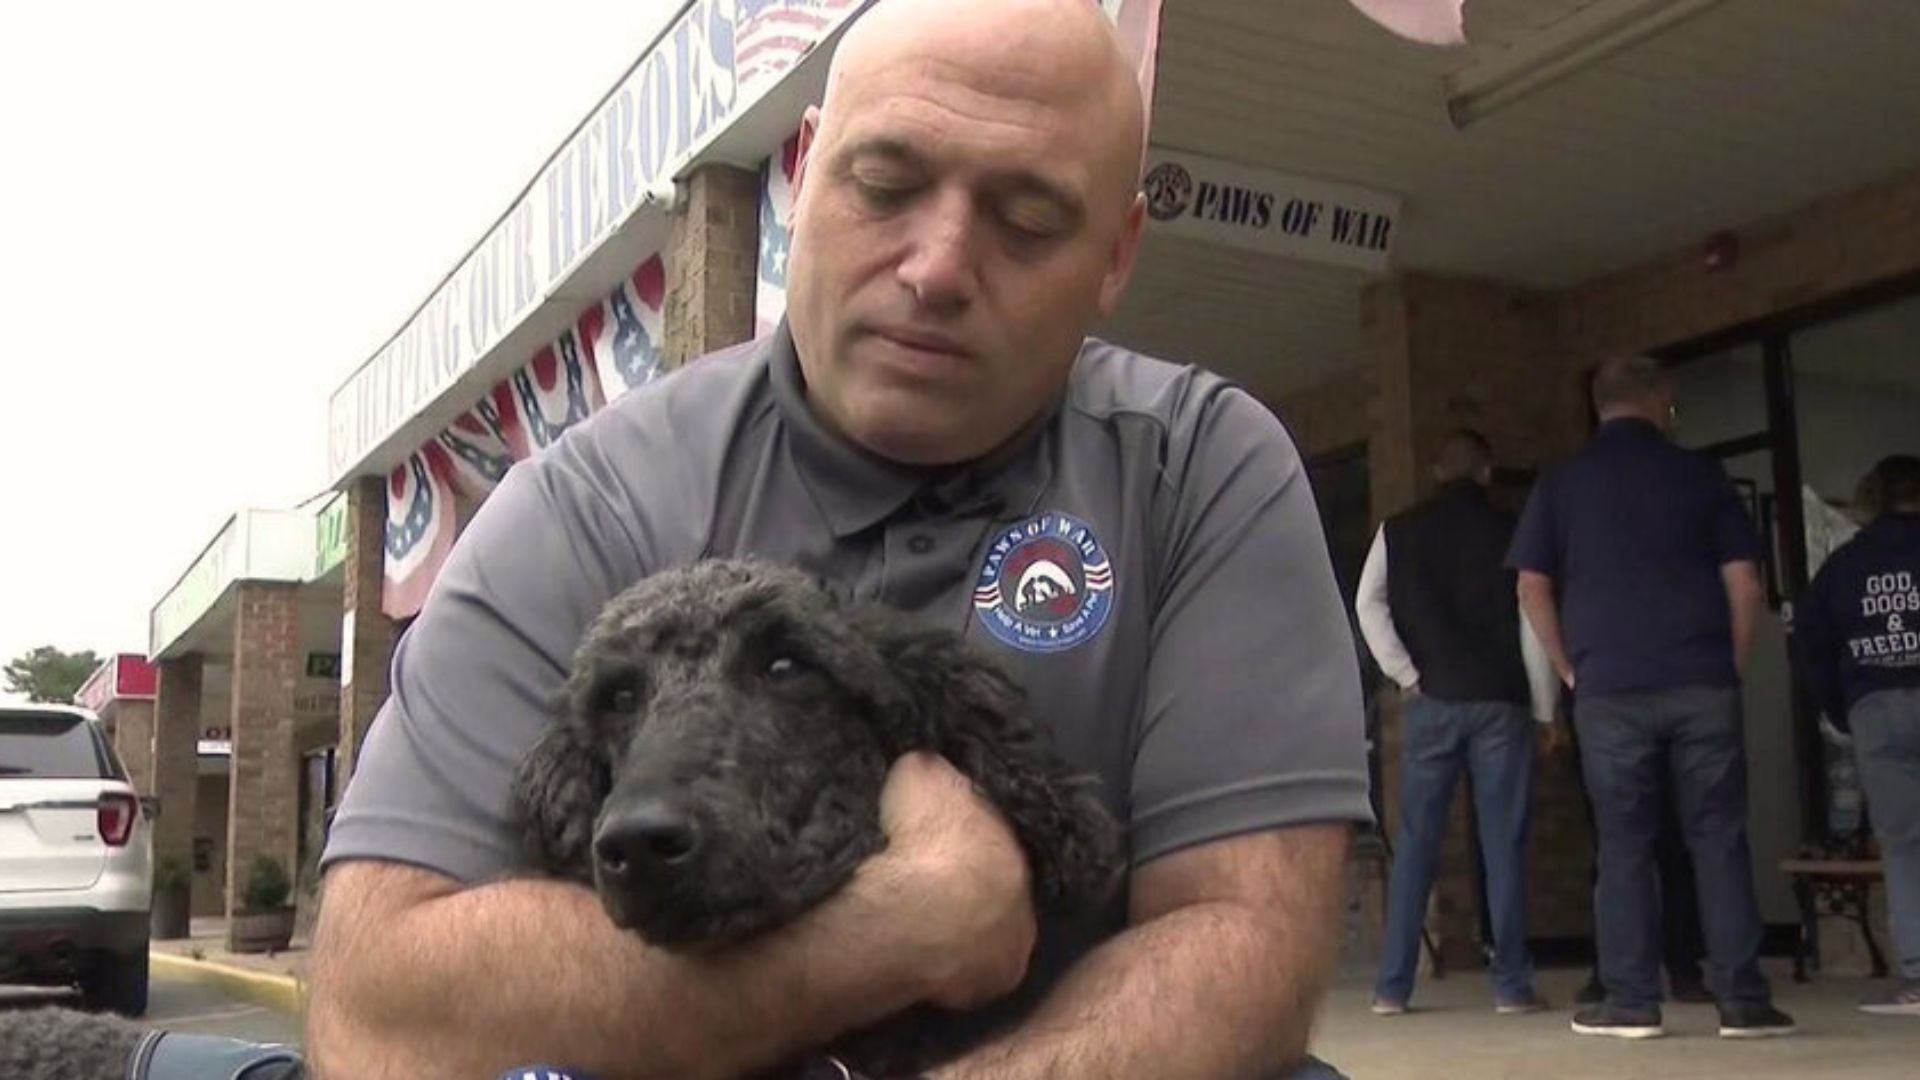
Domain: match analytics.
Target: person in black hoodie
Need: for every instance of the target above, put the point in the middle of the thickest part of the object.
(1857, 638)
(1437, 610)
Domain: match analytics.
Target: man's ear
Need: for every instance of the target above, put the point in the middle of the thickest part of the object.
(556, 796)
(901, 696)
(1123, 257)
(803, 156)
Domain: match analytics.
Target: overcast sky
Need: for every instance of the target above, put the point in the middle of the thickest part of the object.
(211, 213)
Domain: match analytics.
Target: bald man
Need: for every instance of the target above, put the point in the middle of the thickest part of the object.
(928, 427)
(1638, 572)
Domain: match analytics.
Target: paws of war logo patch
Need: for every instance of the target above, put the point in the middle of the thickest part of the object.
(1046, 584)
(1169, 189)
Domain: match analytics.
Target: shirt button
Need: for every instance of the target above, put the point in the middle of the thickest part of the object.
(920, 544)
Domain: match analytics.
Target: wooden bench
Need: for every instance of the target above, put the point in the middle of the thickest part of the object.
(1833, 887)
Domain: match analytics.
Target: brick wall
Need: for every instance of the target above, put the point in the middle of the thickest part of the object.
(1448, 352)
(1838, 245)
(365, 658)
(210, 821)
(1443, 351)
(712, 263)
(133, 741)
(263, 790)
(1329, 415)
(176, 723)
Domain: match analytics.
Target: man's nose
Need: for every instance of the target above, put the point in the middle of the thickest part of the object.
(940, 268)
(645, 836)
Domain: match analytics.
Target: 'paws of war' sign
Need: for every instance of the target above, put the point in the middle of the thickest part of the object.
(1271, 212)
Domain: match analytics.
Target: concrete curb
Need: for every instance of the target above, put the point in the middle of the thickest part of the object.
(283, 993)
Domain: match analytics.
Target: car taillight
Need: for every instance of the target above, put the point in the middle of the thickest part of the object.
(116, 816)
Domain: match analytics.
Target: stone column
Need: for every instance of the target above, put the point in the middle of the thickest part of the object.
(263, 790)
(133, 741)
(366, 634)
(175, 767)
(712, 262)
(1446, 352)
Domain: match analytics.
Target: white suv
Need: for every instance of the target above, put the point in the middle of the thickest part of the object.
(76, 859)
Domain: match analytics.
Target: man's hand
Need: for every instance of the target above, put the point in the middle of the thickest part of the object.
(962, 890)
(1746, 597)
(1231, 944)
(1554, 738)
(1542, 612)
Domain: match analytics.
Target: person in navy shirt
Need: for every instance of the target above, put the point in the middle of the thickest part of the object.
(1638, 571)
(1857, 641)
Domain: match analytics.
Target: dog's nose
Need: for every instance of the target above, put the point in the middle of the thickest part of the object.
(643, 836)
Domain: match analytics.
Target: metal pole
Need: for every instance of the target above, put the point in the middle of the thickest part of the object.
(1783, 428)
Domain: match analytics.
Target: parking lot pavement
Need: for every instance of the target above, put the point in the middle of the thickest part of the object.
(184, 1006)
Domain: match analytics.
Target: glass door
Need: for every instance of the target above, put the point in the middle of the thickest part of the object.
(1735, 405)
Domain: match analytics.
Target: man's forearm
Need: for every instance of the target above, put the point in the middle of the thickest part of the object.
(1220, 989)
(481, 980)
(1537, 604)
(1745, 598)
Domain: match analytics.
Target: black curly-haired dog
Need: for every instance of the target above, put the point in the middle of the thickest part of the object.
(64, 1044)
(55, 1043)
(717, 763)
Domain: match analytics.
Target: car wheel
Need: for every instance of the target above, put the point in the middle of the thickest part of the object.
(117, 983)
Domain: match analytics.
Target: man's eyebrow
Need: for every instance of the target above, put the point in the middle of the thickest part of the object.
(882, 147)
(1017, 182)
(1022, 183)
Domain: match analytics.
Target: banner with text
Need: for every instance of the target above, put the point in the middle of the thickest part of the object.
(1272, 212)
(613, 346)
(717, 59)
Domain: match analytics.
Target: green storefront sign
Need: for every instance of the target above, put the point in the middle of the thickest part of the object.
(330, 536)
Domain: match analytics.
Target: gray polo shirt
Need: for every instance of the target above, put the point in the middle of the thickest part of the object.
(1146, 557)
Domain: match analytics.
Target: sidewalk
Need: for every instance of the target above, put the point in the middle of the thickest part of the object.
(1454, 1033)
(277, 981)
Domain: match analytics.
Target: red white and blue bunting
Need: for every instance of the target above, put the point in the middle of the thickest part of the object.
(614, 345)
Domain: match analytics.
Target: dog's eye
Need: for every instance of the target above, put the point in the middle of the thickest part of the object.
(619, 695)
(783, 668)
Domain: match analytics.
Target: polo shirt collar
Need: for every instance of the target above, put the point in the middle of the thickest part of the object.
(856, 488)
(1621, 426)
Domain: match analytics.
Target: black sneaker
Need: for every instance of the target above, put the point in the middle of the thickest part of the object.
(1618, 1021)
(1753, 1020)
(1527, 1001)
(1904, 1001)
(1592, 993)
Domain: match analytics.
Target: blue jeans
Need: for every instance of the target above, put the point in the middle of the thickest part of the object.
(1886, 740)
(1632, 747)
(1493, 740)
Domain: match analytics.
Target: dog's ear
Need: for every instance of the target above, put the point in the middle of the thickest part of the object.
(557, 794)
(958, 702)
